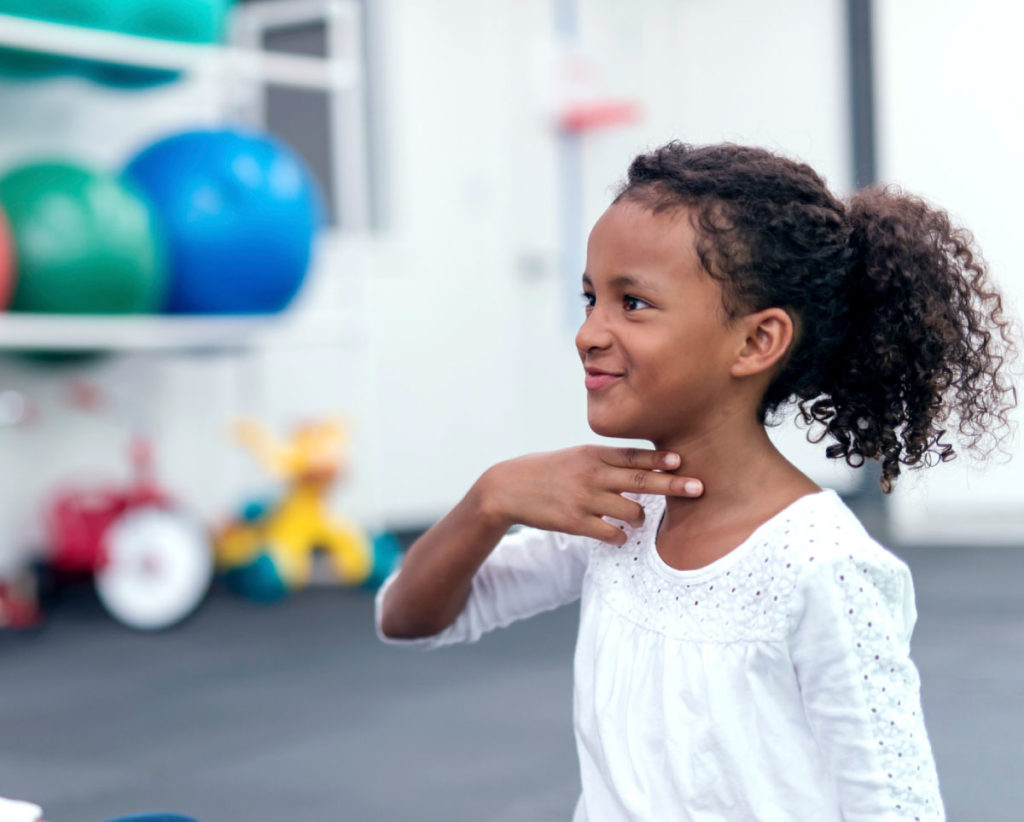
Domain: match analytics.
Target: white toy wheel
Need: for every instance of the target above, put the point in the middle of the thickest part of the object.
(159, 566)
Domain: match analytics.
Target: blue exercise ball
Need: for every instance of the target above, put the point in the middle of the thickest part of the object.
(240, 212)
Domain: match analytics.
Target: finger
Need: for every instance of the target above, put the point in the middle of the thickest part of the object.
(639, 481)
(596, 528)
(620, 508)
(641, 458)
(605, 531)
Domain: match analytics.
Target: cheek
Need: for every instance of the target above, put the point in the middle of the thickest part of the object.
(690, 365)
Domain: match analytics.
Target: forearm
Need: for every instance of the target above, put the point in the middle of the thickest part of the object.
(437, 571)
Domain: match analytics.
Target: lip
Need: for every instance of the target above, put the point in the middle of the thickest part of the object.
(597, 379)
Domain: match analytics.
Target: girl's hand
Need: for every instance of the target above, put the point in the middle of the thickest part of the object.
(572, 489)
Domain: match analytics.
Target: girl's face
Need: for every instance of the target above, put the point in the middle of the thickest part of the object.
(656, 345)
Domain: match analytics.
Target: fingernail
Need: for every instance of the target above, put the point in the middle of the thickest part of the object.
(693, 487)
(671, 460)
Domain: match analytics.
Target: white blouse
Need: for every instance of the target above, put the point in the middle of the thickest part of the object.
(774, 684)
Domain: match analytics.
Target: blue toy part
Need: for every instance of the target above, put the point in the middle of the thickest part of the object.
(256, 509)
(240, 212)
(259, 581)
(387, 554)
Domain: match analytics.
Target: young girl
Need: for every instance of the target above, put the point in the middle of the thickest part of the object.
(743, 650)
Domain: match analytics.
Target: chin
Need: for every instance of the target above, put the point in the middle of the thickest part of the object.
(619, 429)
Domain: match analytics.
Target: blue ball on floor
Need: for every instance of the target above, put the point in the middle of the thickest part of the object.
(153, 817)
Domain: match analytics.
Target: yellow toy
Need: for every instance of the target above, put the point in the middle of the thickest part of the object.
(271, 548)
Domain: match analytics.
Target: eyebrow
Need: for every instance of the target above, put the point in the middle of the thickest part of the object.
(624, 281)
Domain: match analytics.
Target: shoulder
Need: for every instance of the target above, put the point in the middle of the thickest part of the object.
(842, 568)
(826, 537)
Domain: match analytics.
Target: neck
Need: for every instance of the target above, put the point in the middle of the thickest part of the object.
(744, 474)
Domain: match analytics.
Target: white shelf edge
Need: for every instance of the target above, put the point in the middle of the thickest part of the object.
(83, 332)
(149, 52)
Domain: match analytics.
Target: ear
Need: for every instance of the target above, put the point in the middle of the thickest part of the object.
(767, 336)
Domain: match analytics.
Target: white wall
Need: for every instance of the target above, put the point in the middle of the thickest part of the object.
(951, 114)
(477, 360)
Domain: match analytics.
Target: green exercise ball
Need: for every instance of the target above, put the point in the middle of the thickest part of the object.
(85, 242)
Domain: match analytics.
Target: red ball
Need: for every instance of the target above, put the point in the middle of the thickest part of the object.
(6, 263)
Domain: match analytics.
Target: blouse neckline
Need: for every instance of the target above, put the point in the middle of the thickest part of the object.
(757, 537)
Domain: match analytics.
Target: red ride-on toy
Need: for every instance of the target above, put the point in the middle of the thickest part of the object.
(152, 563)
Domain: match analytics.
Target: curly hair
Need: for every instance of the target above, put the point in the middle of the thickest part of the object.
(900, 335)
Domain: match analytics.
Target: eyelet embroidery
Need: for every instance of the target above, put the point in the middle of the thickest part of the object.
(891, 685)
(747, 601)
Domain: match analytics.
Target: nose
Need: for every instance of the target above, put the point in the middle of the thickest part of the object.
(593, 334)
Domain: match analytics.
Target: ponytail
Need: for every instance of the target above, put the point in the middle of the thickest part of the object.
(925, 343)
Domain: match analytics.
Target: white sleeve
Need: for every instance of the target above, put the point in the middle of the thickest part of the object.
(861, 691)
(14, 810)
(528, 572)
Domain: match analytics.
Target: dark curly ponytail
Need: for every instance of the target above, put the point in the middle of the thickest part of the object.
(900, 335)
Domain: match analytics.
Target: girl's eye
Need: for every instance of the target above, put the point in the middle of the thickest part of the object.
(634, 303)
(588, 299)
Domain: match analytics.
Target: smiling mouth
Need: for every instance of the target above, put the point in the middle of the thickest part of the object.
(596, 380)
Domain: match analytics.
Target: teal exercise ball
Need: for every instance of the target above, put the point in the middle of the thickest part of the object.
(74, 12)
(187, 21)
(184, 21)
(23, 64)
(84, 242)
(240, 212)
(19, 64)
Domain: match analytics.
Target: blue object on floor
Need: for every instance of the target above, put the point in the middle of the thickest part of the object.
(259, 581)
(387, 554)
(153, 817)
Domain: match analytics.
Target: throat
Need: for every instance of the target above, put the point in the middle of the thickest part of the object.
(695, 533)
(747, 481)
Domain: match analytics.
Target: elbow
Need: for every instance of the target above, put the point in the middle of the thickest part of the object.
(403, 614)
(396, 624)
(392, 627)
